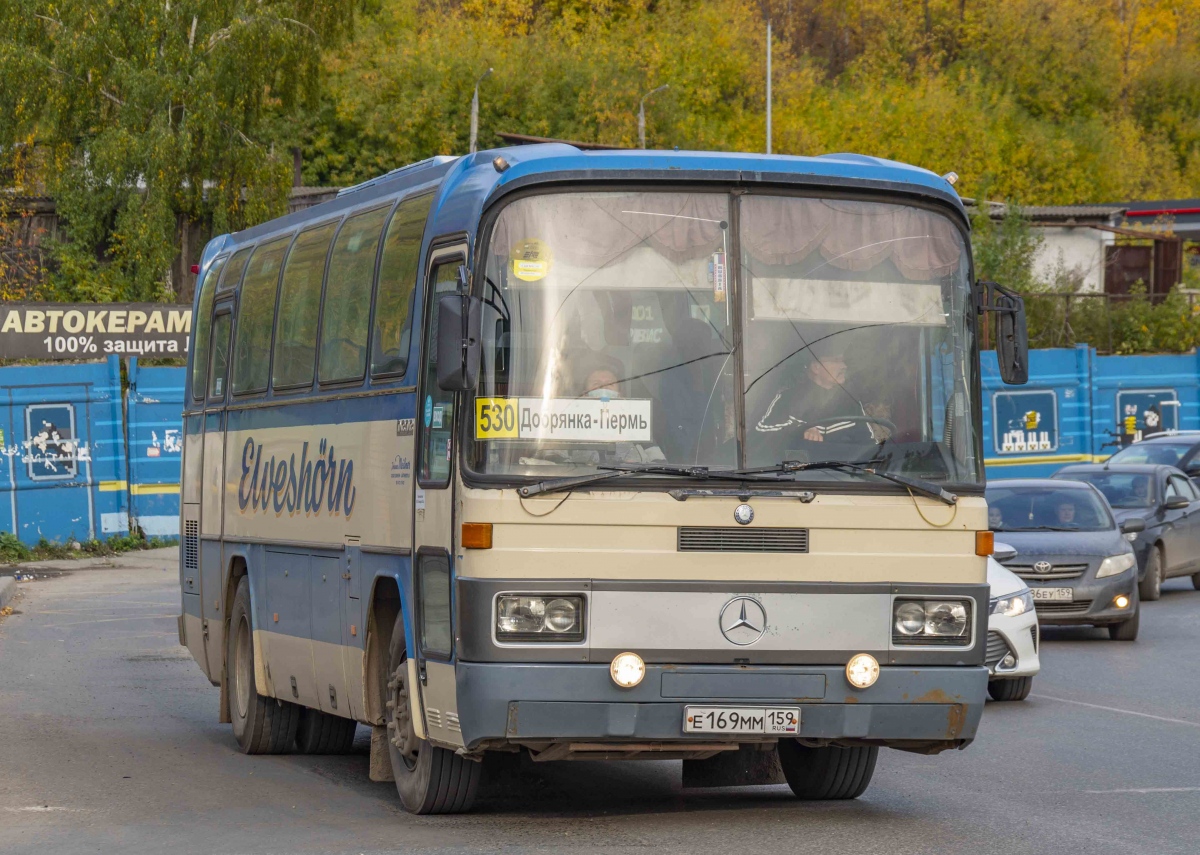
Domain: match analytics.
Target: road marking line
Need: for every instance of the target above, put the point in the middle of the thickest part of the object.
(1148, 790)
(1119, 710)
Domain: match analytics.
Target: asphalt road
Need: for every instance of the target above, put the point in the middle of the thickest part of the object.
(109, 742)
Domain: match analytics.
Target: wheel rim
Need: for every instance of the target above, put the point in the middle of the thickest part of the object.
(242, 669)
(400, 725)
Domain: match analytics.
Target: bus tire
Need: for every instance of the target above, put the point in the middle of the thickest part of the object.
(322, 733)
(829, 772)
(261, 725)
(428, 779)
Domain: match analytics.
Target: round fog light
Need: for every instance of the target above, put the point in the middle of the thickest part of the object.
(862, 670)
(1121, 601)
(1008, 661)
(627, 670)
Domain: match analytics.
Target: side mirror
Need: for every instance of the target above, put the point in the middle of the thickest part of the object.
(460, 322)
(1133, 526)
(1175, 503)
(1003, 552)
(1012, 339)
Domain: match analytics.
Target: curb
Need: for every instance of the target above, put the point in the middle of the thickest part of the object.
(8, 590)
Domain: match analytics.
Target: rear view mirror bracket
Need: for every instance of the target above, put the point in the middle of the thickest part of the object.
(1012, 339)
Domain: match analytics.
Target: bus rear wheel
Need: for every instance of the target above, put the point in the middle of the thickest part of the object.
(829, 772)
(322, 733)
(261, 725)
(429, 779)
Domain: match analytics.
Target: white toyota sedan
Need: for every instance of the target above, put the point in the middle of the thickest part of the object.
(1012, 641)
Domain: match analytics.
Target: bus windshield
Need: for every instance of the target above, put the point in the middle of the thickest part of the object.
(617, 331)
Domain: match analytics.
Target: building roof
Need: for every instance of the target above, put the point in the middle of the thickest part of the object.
(1057, 215)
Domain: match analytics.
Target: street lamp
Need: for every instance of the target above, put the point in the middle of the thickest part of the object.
(642, 114)
(475, 112)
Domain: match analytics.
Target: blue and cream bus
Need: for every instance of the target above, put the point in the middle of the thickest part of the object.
(596, 455)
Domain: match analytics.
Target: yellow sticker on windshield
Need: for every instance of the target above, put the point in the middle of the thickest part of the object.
(531, 259)
(495, 418)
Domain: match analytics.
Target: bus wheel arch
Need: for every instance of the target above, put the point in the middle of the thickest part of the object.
(237, 569)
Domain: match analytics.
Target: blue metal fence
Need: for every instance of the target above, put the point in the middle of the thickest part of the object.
(1078, 405)
(63, 462)
(155, 443)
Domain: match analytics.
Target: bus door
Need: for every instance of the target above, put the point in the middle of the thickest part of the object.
(212, 488)
(433, 534)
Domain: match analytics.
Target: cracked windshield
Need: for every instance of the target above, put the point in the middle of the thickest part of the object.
(616, 333)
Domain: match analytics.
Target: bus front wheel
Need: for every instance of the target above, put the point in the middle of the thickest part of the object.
(829, 772)
(429, 779)
(261, 725)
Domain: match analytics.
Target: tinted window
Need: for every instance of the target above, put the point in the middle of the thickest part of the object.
(256, 311)
(204, 327)
(436, 631)
(1165, 453)
(299, 306)
(232, 274)
(1177, 485)
(348, 298)
(1122, 489)
(1046, 508)
(220, 356)
(438, 412)
(397, 279)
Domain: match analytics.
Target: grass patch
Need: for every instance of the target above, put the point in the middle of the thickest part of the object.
(13, 551)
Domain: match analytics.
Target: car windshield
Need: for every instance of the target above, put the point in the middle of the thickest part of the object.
(1046, 508)
(1165, 453)
(1122, 489)
(615, 332)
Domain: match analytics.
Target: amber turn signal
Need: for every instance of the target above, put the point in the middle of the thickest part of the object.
(985, 543)
(477, 535)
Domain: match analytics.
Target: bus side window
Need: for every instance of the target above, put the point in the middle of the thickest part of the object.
(232, 274)
(299, 307)
(256, 308)
(204, 327)
(397, 281)
(438, 412)
(220, 356)
(347, 302)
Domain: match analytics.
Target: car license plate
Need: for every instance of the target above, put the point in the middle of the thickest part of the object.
(741, 720)
(1054, 595)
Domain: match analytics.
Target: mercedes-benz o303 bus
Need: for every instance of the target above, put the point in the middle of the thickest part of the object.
(592, 455)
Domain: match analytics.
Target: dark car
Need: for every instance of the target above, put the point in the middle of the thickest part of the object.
(1180, 449)
(1069, 550)
(1165, 502)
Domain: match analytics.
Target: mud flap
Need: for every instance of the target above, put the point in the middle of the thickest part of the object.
(748, 766)
(381, 761)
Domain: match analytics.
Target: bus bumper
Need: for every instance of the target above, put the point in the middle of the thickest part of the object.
(908, 707)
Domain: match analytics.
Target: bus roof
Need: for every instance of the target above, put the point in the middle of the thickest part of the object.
(470, 182)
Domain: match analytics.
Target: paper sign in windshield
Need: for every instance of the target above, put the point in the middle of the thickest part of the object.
(567, 419)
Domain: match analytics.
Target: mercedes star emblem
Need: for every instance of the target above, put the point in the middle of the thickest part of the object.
(1042, 567)
(744, 514)
(743, 621)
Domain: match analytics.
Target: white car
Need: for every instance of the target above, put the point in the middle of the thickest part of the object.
(1012, 641)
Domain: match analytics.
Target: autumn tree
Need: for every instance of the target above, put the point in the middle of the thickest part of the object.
(150, 113)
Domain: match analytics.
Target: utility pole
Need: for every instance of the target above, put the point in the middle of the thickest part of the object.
(642, 114)
(475, 112)
(768, 87)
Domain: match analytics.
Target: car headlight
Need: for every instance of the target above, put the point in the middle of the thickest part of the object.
(931, 622)
(539, 617)
(1013, 605)
(1114, 564)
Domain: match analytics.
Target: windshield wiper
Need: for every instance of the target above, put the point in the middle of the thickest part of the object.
(925, 488)
(700, 473)
(1043, 528)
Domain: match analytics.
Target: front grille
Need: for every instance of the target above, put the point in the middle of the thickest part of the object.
(997, 649)
(191, 545)
(1057, 571)
(711, 539)
(1051, 610)
(1033, 632)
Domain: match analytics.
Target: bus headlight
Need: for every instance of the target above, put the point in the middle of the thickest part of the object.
(627, 670)
(942, 622)
(539, 617)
